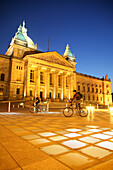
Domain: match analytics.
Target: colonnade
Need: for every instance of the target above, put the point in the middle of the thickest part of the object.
(66, 91)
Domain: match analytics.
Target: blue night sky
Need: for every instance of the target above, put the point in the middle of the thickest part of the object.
(86, 25)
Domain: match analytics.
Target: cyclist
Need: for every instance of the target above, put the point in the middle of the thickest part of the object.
(76, 99)
(37, 101)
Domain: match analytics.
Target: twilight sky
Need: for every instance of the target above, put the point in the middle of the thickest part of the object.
(86, 25)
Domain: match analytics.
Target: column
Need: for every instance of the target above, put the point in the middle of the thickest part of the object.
(55, 95)
(70, 86)
(38, 81)
(27, 79)
(47, 83)
(63, 86)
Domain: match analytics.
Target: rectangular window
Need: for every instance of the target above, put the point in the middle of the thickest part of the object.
(2, 77)
(31, 75)
(92, 89)
(78, 87)
(96, 90)
(51, 79)
(83, 88)
(88, 89)
(30, 92)
(1, 91)
(17, 91)
(41, 77)
(59, 80)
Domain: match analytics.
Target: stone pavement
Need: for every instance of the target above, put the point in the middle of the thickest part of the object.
(51, 141)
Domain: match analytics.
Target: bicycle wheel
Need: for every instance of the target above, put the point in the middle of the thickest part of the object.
(68, 112)
(83, 113)
(44, 109)
(32, 110)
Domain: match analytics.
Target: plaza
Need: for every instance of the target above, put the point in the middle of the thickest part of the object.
(51, 141)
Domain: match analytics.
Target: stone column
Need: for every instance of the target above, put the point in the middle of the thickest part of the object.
(27, 79)
(70, 86)
(63, 86)
(47, 83)
(38, 81)
(55, 95)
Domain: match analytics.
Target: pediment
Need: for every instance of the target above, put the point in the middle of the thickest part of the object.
(53, 57)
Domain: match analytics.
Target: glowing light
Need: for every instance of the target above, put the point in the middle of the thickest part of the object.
(111, 109)
(90, 107)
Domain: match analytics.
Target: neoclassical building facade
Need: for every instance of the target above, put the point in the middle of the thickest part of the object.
(26, 71)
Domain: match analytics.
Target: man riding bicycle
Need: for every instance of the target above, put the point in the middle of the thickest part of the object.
(76, 99)
(37, 101)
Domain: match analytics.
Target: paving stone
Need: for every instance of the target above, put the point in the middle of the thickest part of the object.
(30, 136)
(46, 134)
(106, 144)
(95, 152)
(85, 132)
(95, 130)
(75, 160)
(89, 140)
(92, 126)
(74, 144)
(39, 141)
(101, 136)
(71, 135)
(73, 130)
(58, 138)
(54, 149)
(108, 133)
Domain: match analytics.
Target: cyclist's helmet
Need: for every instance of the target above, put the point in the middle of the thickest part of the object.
(74, 90)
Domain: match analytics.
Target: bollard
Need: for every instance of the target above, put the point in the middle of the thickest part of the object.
(9, 107)
(48, 107)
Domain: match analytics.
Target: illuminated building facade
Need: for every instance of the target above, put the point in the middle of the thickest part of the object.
(26, 71)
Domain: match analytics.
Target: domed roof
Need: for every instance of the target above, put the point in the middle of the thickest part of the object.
(68, 51)
(19, 35)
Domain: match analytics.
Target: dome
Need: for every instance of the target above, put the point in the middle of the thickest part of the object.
(19, 35)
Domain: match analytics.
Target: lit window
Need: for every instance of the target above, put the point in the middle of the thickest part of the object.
(31, 75)
(1, 92)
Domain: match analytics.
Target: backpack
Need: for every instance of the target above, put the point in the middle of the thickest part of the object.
(79, 96)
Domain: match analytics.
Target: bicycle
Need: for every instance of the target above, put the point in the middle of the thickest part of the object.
(69, 111)
(40, 108)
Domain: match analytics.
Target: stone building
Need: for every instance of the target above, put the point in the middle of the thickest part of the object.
(26, 71)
